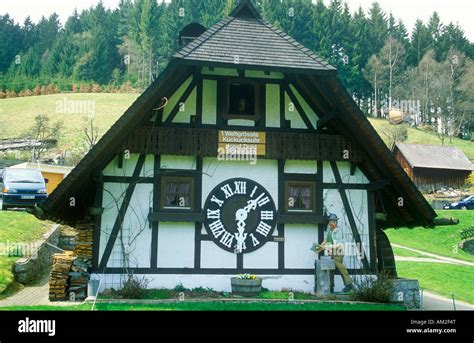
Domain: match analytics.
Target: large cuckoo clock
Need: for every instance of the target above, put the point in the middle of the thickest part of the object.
(240, 215)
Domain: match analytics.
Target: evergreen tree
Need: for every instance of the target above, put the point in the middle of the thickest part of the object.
(420, 43)
(378, 31)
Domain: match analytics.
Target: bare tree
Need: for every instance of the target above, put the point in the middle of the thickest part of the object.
(91, 133)
(43, 131)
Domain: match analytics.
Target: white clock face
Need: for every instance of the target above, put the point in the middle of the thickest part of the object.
(240, 215)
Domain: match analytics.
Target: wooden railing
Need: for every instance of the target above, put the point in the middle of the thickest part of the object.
(204, 142)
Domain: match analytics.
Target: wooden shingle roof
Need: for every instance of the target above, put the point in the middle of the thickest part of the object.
(434, 156)
(245, 39)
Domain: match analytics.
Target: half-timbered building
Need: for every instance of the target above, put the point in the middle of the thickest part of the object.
(230, 162)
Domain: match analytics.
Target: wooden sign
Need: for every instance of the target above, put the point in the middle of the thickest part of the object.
(242, 142)
(327, 264)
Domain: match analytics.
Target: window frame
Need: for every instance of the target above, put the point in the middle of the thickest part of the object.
(178, 179)
(226, 108)
(312, 185)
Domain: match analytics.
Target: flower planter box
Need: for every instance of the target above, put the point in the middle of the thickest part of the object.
(246, 287)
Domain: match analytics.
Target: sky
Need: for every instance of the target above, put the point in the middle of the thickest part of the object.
(456, 11)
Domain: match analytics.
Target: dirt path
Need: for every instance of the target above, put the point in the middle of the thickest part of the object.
(421, 259)
(432, 256)
(32, 295)
(434, 302)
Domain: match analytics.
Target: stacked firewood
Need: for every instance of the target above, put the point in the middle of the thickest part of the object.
(59, 281)
(84, 239)
(80, 269)
(70, 271)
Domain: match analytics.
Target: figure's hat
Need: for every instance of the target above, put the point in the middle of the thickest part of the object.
(332, 216)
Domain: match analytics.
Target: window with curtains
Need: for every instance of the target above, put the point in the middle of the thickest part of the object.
(300, 196)
(177, 193)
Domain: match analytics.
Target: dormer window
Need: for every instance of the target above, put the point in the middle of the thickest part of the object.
(241, 100)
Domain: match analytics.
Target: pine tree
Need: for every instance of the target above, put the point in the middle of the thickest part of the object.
(378, 31)
(420, 43)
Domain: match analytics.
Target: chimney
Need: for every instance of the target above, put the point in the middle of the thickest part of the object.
(189, 33)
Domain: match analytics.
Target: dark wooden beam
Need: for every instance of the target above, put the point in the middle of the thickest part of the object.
(156, 207)
(121, 214)
(298, 106)
(350, 216)
(175, 216)
(323, 122)
(181, 100)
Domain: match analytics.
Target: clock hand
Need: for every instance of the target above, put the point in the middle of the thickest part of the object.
(241, 216)
(240, 236)
(252, 204)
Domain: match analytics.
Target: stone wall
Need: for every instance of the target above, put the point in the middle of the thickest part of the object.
(407, 292)
(28, 269)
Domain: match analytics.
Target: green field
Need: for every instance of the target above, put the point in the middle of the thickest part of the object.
(417, 136)
(215, 306)
(17, 114)
(16, 227)
(440, 278)
(442, 240)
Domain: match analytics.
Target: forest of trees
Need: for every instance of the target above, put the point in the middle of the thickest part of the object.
(378, 60)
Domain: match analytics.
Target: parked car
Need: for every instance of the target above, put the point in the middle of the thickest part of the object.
(22, 188)
(466, 203)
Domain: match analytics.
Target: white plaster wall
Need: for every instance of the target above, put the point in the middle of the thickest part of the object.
(300, 167)
(345, 172)
(241, 122)
(178, 162)
(176, 245)
(298, 241)
(312, 116)
(265, 257)
(111, 202)
(136, 235)
(128, 166)
(272, 99)
(213, 256)
(173, 100)
(301, 283)
(209, 106)
(291, 113)
(187, 109)
(221, 283)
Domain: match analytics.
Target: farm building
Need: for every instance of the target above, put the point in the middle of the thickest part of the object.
(231, 162)
(432, 167)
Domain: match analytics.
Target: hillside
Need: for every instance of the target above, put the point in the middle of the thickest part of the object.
(73, 109)
(17, 114)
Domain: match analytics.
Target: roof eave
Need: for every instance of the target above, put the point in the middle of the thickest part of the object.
(285, 70)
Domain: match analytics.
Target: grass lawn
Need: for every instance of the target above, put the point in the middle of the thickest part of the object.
(216, 306)
(16, 227)
(162, 294)
(417, 136)
(442, 240)
(440, 278)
